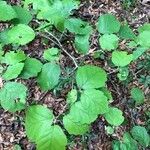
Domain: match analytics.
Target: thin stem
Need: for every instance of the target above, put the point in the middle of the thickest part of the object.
(58, 44)
(62, 48)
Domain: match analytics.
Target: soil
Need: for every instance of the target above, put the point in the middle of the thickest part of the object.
(12, 129)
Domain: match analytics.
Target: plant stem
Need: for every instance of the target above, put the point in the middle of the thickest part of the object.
(57, 42)
(62, 48)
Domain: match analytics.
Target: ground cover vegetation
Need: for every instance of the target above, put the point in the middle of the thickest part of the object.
(88, 96)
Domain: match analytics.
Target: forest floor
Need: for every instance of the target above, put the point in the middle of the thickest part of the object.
(11, 125)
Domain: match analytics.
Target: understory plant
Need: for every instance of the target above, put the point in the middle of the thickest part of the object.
(89, 97)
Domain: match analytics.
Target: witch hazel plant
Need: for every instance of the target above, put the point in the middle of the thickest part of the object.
(91, 102)
(85, 103)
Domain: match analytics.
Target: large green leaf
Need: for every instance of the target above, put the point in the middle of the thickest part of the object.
(126, 33)
(78, 26)
(57, 11)
(38, 124)
(128, 142)
(89, 77)
(114, 116)
(6, 11)
(38, 117)
(108, 23)
(13, 71)
(94, 101)
(137, 95)
(12, 58)
(121, 58)
(109, 41)
(13, 96)
(53, 138)
(79, 113)
(74, 128)
(91, 104)
(82, 31)
(23, 15)
(31, 68)
(140, 134)
(21, 34)
(143, 39)
(49, 77)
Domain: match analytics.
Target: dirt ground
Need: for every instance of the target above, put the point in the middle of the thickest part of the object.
(12, 125)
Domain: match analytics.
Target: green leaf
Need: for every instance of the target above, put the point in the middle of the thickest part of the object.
(6, 11)
(110, 130)
(128, 142)
(38, 4)
(82, 44)
(140, 134)
(38, 124)
(74, 128)
(21, 34)
(91, 104)
(116, 145)
(38, 117)
(52, 138)
(13, 71)
(108, 23)
(109, 42)
(145, 27)
(94, 101)
(137, 95)
(89, 77)
(132, 44)
(123, 73)
(4, 37)
(121, 58)
(13, 96)
(139, 52)
(23, 15)
(79, 114)
(143, 39)
(78, 26)
(126, 33)
(51, 54)
(12, 58)
(31, 68)
(114, 116)
(72, 96)
(57, 12)
(49, 77)
(107, 93)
